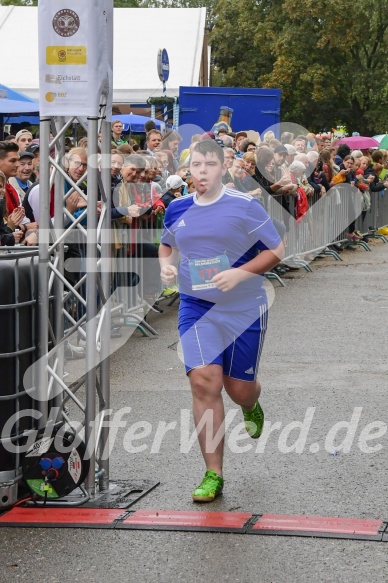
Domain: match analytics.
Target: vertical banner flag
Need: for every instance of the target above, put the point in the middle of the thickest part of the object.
(75, 57)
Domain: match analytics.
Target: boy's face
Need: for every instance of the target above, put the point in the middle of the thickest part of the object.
(206, 171)
(364, 164)
(356, 164)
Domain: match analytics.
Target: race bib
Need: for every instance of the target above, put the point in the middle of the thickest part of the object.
(202, 271)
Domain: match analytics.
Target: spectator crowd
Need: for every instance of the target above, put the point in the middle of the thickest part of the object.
(295, 170)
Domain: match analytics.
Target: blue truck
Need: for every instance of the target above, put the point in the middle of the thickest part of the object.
(253, 109)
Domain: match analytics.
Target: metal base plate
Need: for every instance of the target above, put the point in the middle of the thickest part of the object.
(121, 494)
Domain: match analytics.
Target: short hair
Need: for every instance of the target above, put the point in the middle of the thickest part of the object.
(78, 151)
(286, 137)
(125, 149)
(2, 177)
(249, 157)
(149, 125)
(229, 151)
(274, 143)
(171, 136)
(116, 121)
(268, 136)
(228, 141)
(154, 131)
(196, 138)
(249, 143)
(6, 147)
(182, 167)
(135, 160)
(244, 142)
(377, 156)
(348, 157)
(117, 153)
(357, 154)
(313, 156)
(343, 150)
(206, 147)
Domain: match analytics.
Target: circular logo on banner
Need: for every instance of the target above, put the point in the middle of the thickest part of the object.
(163, 65)
(66, 22)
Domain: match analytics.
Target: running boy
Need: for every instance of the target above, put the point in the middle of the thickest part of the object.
(218, 233)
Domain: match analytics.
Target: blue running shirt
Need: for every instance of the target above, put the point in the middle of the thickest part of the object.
(230, 230)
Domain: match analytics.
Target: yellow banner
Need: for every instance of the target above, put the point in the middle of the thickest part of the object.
(65, 55)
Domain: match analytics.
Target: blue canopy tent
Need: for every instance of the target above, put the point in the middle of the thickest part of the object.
(13, 102)
(135, 123)
(32, 119)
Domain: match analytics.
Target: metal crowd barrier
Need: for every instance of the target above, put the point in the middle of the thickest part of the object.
(136, 280)
(327, 222)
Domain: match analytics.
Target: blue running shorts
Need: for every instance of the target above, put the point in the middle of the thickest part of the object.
(214, 336)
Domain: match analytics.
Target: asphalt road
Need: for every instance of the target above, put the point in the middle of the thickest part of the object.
(324, 362)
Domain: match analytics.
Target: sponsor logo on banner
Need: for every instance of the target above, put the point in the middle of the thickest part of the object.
(66, 55)
(59, 79)
(50, 96)
(75, 57)
(66, 22)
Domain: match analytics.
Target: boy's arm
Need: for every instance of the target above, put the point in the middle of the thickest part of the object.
(168, 259)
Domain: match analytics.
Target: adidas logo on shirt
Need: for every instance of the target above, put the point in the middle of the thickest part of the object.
(182, 223)
(250, 371)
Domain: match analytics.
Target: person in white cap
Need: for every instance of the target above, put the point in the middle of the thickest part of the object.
(23, 139)
(291, 153)
(174, 185)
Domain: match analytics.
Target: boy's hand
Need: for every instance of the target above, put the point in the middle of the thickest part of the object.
(228, 279)
(168, 274)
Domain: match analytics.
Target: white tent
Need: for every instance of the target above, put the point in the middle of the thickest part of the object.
(138, 35)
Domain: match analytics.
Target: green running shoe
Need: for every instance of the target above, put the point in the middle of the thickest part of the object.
(254, 421)
(210, 487)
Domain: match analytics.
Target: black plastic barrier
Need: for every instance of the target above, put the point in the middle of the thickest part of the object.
(18, 342)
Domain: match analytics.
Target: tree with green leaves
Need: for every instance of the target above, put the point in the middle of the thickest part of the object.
(327, 57)
(18, 2)
(117, 3)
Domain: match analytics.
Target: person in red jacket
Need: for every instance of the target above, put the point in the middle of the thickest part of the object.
(9, 161)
